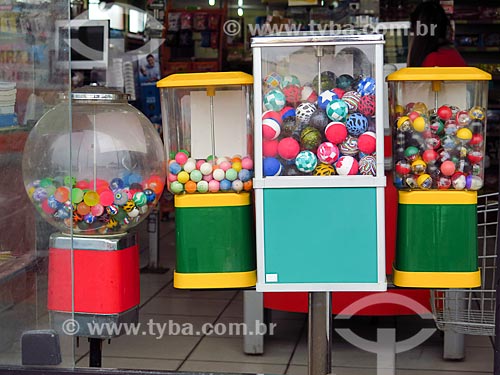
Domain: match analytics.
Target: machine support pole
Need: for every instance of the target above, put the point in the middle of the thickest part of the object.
(95, 355)
(320, 333)
(496, 358)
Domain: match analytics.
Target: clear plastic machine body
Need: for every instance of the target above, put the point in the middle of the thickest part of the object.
(208, 122)
(116, 164)
(438, 119)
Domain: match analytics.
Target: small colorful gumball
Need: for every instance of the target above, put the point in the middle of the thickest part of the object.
(237, 185)
(304, 111)
(206, 168)
(448, 168)
(367, 105)
(308, 94)
(327, 153)
(367, 143)
(288, 148)
(430, 156)
(248, 185)
(180, 158)
(270, 129)
(444, 112)
(352, 99)
(346, 165)
(214, 186)
(412, 153)
(247, 163)
(458, 180)
(306, 161)
(404, 124)
(323, 169)
(477, 113)
(349, 146)
(366, 86)
(270, 148)
(325, 98)
(274, 100)
(195, 176)
(231, 174)
(189, 166)
(290, 79)
(225, 185)
(403, 167)
(272, 167)
(368, 165)
(356, 124)
(174, 167)
(418, 167)
(293, 94)
(473, 182)
(310, 138)
(475, 156)
(183, 177)
(202, 186)
(218, 174)
(319, 120)
(224, 165)
(336, 132)
(273, 80)
(337, 110)
(244, 175)
(476, 140)
(424, 181)
(190, 187)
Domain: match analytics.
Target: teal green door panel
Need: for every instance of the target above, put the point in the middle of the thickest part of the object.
(320, 235)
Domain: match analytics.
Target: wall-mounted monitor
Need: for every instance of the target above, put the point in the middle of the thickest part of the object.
(83, 44)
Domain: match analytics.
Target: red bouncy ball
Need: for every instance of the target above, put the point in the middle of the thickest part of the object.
(367, 105)
(270, 129)
(293, 94)
(367, 142)
(476, 140)
(336, 132)
(288, 148)
(448, 168)
(430, 156)
(274, 115)
(270, 148)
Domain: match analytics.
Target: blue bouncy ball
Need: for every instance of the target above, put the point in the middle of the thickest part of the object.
(325, 98)
(356, 124)
(116, 184)
(287, 112)
(244, 175)
(366, 86)
(150, 195)
(272, 167)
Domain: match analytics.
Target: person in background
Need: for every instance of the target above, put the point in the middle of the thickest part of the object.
(431, 45)
(151, 70)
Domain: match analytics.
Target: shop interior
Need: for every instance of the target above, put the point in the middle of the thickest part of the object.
(134, 44)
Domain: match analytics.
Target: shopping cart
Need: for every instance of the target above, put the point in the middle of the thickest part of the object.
(472, 311)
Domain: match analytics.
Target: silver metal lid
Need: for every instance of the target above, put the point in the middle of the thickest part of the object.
(99, 93)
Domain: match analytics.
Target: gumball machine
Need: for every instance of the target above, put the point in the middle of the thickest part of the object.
(438, 118)
(94, 167)
(208, 135)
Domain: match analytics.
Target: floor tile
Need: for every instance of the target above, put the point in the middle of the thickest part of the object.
(225, 349)
(134, 363)
(481, 341)
(183, 306)
(297, 370)
(149, 346)
(234, 310)
(252, 368)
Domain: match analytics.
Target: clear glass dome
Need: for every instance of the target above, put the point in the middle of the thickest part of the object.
(95, 164)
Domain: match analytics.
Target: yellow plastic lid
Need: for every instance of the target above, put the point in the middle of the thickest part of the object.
(440, 74)
(207, 79)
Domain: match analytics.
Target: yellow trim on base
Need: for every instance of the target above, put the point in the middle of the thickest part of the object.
(439, 74)
(215, 280)
(212, 200)
(437, 279)
(438, 197)
(205, 79)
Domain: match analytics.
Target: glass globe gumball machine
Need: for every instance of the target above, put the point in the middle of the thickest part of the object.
(438, 118)
(94, 167)
(207, 121)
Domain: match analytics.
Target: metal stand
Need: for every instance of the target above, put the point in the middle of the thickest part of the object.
(320, 333)
(154, 243)
(253, 313)
(496, 358)
(95, 355)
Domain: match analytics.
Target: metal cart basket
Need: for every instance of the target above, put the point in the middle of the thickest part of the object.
(472, 311)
